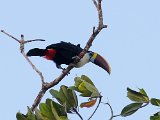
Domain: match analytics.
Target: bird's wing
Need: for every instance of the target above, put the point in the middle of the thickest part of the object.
(65, 51)
(66, 47)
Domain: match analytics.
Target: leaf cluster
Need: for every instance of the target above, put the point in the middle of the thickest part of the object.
(140, 99)
(67, 101)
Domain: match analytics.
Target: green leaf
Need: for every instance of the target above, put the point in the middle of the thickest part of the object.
(70, 97)
(90, 87)
(78, 81)
(137, 96)
(20, 116)
(63, 118)
(156, 116)
(66, 98)
(143, 91)
(54, 112)
(86, 94)
(87, 79)
(155, 102)
(46, 111)
(30, 114)
(130, 109)
(38, 114)
(82, 87)
(75, 99)
(56, 95)
(95, 95)
(74, 88)
(60, 109)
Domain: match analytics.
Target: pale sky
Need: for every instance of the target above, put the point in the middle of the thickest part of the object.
(131, 44)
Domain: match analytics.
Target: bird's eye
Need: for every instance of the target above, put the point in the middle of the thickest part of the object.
(91, 54)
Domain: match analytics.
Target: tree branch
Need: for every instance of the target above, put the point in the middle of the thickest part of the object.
(75, 110)
(22, 42)
(71, 66)
(112, 114)
(46, 86)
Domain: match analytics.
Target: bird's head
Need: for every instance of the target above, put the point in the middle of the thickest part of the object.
(99, 60)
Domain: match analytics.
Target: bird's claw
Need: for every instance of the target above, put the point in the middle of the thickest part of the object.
(76, 58)
(63, 71)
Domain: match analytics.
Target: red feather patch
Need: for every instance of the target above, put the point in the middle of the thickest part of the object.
(50, 54)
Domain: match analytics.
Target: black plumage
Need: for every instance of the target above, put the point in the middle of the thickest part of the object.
(65, 52)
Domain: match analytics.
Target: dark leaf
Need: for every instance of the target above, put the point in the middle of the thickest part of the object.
(156, 116)
(59, 108)
(30, 114)
(57, 95)
(143, 91)
(130, 109)
(86, 94)
(46, 111)
(155, 102)
(20, 116)
(137, 96)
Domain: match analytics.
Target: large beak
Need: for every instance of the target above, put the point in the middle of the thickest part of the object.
(100, 61)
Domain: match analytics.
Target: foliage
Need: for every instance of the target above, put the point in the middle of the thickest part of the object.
(67, 101)
(140, 99)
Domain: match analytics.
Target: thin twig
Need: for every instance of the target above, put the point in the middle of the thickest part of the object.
(100, 99)
(34, 40)
(46, 86)
(75, 110)
(112, 113)
(111, 110)
(22, 42)
(71, 66)
(95, 3)
(100, 14)
(10, 36)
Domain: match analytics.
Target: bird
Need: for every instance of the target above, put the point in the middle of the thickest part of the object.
(65, 53)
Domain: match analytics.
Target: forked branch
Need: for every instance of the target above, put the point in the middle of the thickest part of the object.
(46, 86)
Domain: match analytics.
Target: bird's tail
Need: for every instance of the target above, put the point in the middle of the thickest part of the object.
(36, 52)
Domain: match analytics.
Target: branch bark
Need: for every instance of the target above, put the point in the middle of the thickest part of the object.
(46, 86)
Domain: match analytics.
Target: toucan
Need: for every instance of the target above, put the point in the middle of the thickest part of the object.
(65, 52)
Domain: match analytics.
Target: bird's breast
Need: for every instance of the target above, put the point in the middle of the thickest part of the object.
(83, 61)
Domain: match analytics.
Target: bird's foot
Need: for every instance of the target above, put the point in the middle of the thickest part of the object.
(64, 72)
(63, 69)
(76, 59)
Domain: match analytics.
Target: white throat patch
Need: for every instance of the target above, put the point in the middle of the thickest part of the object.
(83, 61)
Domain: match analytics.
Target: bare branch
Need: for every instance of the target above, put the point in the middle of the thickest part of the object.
(71, 66)
(22, 42)
(46, 86)
(27, 41)
(95, 3)
(10, 36)
(100, 14)
(112, 114)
